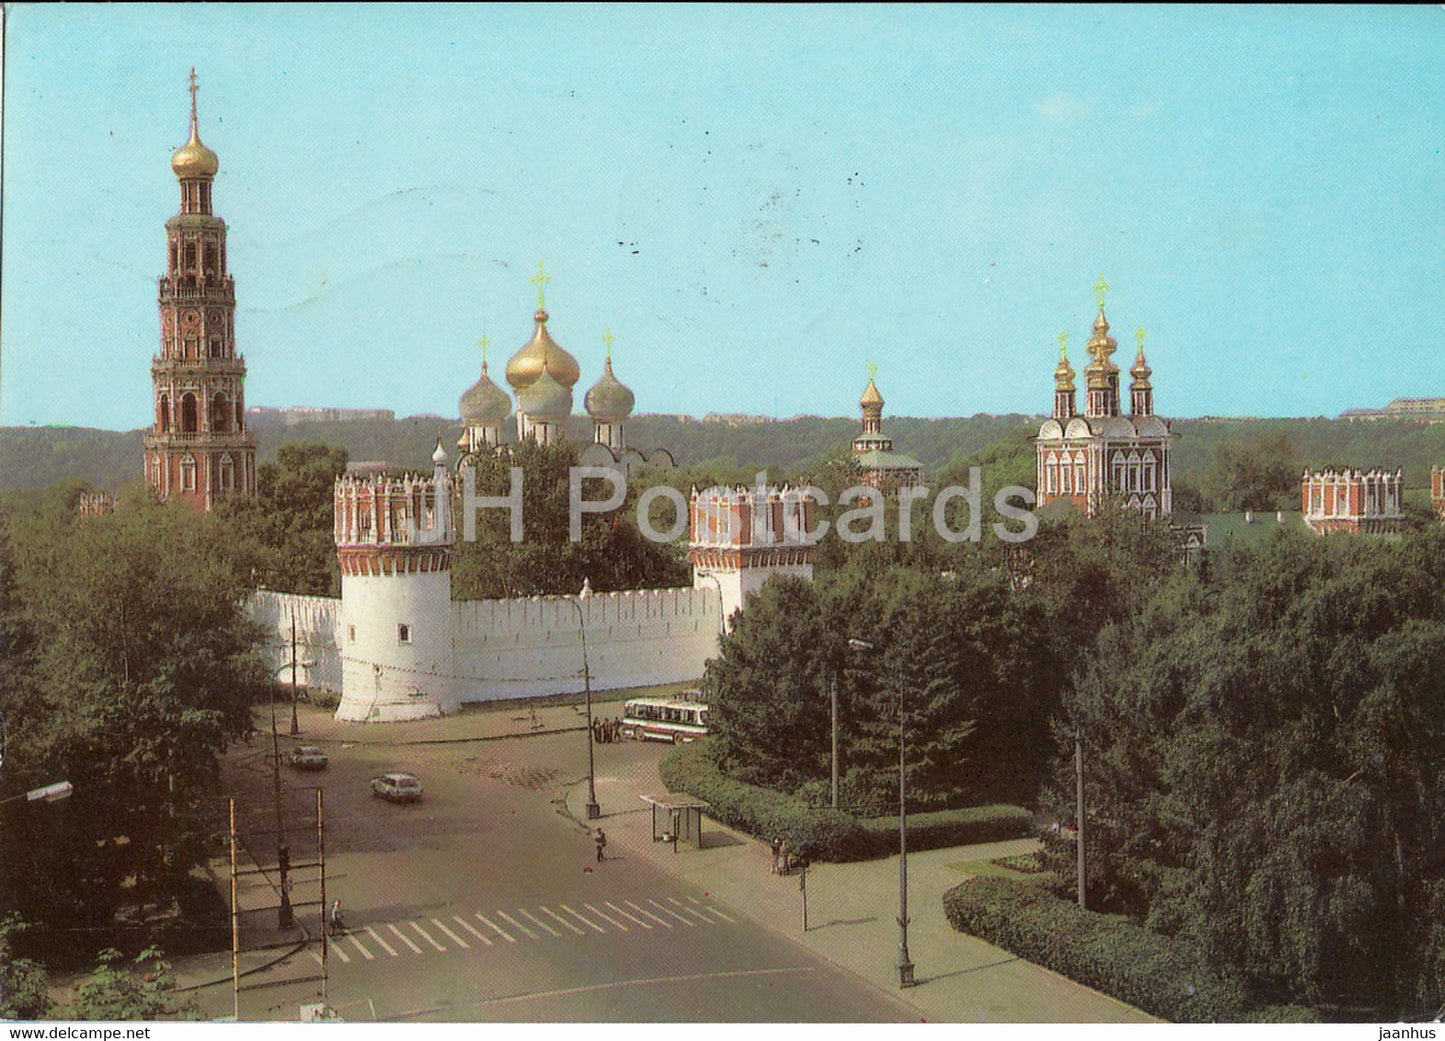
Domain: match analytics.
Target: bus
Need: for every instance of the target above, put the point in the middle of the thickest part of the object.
(663, 719)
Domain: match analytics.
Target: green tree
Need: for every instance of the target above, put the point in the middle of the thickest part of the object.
(23, 993)
(146, 670)
(113, 993)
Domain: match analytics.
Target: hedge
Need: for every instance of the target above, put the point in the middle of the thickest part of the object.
(821, 833)
(1163, 977)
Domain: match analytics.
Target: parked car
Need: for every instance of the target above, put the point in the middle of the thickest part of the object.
(307, 757)
(396, 788)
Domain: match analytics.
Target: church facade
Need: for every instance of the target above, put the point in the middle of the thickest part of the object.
(198, 447)
(1104, 454)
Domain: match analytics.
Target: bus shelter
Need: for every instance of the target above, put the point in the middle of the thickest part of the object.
(676, 818)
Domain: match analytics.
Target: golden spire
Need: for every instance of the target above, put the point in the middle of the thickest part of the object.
(540, 280)
(193, 88)
(1141, 370)
(1101, 290)
(607, 339)
(872, 400)
(1064, 374)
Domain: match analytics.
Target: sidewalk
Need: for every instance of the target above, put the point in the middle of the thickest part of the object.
(852, 916)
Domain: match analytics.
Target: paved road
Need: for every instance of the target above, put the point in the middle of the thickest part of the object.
(484, 902)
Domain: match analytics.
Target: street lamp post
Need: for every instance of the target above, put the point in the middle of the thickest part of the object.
(295, 726)
(903, 963)
(285, 919)
(594, 811)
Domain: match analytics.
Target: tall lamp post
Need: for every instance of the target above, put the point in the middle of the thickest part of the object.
(903, 963)
(594, 811)
(285, 918)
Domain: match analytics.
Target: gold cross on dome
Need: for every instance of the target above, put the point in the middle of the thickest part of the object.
(540, 280)
(1101, 289)
(607, 338)
(1139, 335)
(483, 343)
(1063, 342)
(193, 88)
(872, 369)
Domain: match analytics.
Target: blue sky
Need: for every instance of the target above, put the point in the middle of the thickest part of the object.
(756, 200)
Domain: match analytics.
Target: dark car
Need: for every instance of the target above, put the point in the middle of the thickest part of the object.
(397, 788)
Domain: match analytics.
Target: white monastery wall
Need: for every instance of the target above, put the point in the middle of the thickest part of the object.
(315, 618)
(395, 633)
(532, 646)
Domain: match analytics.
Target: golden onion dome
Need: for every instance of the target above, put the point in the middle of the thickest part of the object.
(609, 399)
(526, 366)
(194, 159)
(484, 403)
(1064, 374)
(1101, 344)
(546, 399)
(1141, 370)
(871, 399)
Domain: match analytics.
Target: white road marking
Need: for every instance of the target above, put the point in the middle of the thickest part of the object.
(357, 944)
(691, 911)
(335, 949)
(667, 910)
(559, 918)
(625, 914)
(467, 926)
(662, 922)
(606, 917)
(724, 917)
(519, 925)
(493, 925)
(405, 939)
(459, 941)
(584, 921)
(382, 943)
(317, 956)
(537, 921)
(426, 936)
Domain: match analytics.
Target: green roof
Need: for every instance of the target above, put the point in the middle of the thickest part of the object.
(876, 460)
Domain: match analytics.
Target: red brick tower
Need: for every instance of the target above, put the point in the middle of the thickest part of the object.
(198, 448)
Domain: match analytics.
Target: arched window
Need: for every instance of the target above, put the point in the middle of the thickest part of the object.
(188, 472)
(163, 414)
(220, 412)
(190, 258)
(189, 419)
(228, 473)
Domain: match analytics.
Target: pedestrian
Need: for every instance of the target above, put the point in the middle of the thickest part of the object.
(777, 846)
(782, 858)
(601, 840)
(336, 925)
(597, 730)
(616, 729)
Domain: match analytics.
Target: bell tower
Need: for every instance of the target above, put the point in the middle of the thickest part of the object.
(198, 448)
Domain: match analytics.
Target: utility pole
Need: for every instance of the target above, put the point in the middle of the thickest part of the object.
(905, 964)
(321, 866)
(1079, 815)
(285, 919)
(235, 926)
(295, 727)
(835, 737)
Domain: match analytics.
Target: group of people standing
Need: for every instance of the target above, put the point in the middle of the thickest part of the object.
(606, 731)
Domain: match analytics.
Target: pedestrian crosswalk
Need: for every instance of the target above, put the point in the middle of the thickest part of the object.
(516, 926)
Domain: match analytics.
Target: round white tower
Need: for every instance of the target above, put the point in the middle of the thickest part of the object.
(393, 541)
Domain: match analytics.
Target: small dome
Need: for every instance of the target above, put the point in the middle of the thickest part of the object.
(194, 159)
(1141, 370)
(439, 457)
(484, 403)
(609, 399)
(871, 399)
(546, 399)
(541, 352)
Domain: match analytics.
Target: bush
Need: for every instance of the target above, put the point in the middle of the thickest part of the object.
(825, 833)
(941, 828)
(1162, 976)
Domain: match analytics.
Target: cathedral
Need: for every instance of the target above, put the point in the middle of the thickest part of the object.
(1104, 455)
(198, 448)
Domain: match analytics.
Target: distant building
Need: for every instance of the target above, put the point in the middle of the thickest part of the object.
(1352, 501)
(198, 448)
(1103, 455)
(882, 468)
(262, 415)
(1422, 410)
(1437, 490)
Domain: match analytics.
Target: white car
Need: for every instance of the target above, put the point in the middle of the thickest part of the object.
(308, 757)
(397, 788)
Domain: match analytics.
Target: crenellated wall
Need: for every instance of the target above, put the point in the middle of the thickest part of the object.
(532, 646)
(315, 618)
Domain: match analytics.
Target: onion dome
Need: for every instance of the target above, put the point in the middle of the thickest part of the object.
(545, 398)
(1101, 345)
(484, 403)
(439, 457)
(871, 399)
(194, 159)
(1064, 373)
(1141, 371)
(527, 365)
(609, 399)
